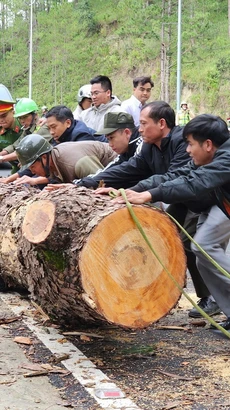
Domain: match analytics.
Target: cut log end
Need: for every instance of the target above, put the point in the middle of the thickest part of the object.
(38, 221)
(84, 260)
(120, 273)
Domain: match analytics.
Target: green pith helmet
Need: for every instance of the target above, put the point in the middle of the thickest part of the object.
(5, 95)
(30, 149)
(25, 106)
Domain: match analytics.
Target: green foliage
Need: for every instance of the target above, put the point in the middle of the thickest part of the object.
(73, 42)
(86, 18)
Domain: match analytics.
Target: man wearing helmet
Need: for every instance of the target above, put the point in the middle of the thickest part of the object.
(26, 112)
(10, 128)
(49, 163)
(44, 111)
(84, 100)
(184, 115)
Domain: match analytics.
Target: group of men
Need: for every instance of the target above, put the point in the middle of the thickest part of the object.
(153, 159)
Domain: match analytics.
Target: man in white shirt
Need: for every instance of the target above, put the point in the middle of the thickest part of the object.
(142, 87)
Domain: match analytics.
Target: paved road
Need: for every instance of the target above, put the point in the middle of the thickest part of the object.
(164, 366)
(4, 171)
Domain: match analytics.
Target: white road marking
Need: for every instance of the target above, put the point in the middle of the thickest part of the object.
(82, 369)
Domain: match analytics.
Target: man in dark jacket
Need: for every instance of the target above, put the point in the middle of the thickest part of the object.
(163, 150)
(122, 135)
(208, 142)
(64, 128)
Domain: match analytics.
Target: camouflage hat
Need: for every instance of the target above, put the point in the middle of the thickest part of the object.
(115, 121)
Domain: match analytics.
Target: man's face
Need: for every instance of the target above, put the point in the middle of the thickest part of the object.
(201, 152)
(37, 168)
(7, 119)
(26, 120)
(100, 96)
(57, 128)
(184, 107)
(151, 131)
(142, 92)
(86, 103)
(119, 140)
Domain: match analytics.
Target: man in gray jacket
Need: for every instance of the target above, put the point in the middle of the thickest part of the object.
(102, 102)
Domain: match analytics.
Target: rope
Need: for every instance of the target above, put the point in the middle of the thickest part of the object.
(137, 223)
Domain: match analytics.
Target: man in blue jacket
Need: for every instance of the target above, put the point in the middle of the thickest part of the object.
(208, 144)
(63, 127)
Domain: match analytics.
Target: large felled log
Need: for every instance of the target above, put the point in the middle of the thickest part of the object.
(84, 260)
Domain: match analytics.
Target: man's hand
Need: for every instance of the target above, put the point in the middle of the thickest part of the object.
(107, 191)
(26, 180)
(3, 152)
(54, 187)
(8, 180)
(4, 180)
(133, 197)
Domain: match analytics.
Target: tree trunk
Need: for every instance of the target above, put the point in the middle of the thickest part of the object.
(83, 258)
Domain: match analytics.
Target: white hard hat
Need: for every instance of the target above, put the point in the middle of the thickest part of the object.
(84, 92)
(5, 95)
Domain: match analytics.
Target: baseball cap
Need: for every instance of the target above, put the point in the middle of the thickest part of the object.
(115, 121)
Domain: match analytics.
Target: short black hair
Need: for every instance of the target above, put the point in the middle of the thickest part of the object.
(142, 80)
(207, 127)
(161, 109)
(61, 113)
(104, 81)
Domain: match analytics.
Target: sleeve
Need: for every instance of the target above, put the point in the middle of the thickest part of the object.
(11, 148)
(155, 180)
(195, 184)
(125, 107)
(124, 175)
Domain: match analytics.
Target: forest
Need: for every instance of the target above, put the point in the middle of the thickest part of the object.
(72, 41)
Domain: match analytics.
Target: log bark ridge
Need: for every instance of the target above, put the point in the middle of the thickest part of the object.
(84, 260)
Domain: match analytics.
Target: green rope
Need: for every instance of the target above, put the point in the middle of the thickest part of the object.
(137, 223)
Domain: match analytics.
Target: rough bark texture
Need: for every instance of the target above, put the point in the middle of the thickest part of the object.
(83, 259)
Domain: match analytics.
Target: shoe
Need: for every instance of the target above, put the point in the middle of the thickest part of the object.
(209, 306)
(225, 325)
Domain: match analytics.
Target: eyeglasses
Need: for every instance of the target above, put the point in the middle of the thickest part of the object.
(3, 116)
(97, 92)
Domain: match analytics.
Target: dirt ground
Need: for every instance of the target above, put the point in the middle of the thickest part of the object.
(177, 363)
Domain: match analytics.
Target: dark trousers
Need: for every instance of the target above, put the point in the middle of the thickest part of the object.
(188, 220)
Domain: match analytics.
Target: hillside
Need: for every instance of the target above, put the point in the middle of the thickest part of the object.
(74, 41)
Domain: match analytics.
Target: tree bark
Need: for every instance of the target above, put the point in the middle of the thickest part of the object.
(83, 259)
